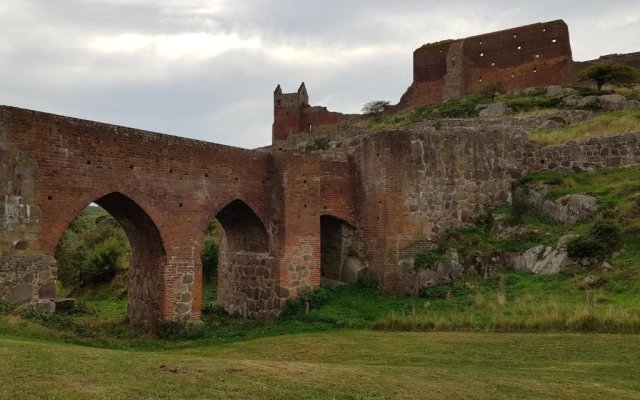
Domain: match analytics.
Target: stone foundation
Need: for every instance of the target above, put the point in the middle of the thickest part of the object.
(248, 280)
(29, 280)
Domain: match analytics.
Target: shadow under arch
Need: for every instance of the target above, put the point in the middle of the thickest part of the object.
(243, 228)
(146, 285)
(339, 258)
(246, 274)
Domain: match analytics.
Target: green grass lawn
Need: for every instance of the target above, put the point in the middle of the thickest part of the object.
(337, 365)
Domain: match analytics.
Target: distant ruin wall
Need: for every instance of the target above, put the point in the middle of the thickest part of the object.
(518, 58)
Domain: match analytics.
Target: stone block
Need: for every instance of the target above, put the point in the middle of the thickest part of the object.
(20, 294)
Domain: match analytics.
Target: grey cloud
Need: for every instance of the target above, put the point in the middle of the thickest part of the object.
(46, 64)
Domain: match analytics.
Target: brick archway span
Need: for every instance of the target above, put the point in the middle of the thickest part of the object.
(148, 256)
(243, 228)
(67, 214)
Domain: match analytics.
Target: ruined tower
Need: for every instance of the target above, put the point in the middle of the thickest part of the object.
(287, 112)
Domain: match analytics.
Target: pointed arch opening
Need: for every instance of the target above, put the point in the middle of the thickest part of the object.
(115, 247)
(245, 277)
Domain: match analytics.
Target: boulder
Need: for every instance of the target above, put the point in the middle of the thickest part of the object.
(20, 294)
(551, 124)
(566, 209)
(492, 110)
(570, 208)
(616, 102)
(588, 101)
(542, 260)
(559, 91)
(571, 101)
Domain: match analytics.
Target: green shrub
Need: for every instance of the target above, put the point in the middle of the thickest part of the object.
(607, 234)
(427, 260)
(444, 291)
(209, 258)
(368, 282)
(484, 221)
(211, 308)
(56, 320)
(5, 307)
(102, 262)
(316, 299)
(463, 107)
(583, 247)
(519, 207)
(528, 103)
(174, 330)
(602, 239)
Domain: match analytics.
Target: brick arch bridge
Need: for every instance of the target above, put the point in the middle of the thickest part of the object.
(164, 191)
(288, 219)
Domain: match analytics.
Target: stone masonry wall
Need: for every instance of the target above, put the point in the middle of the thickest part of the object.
(28, 280)
(417, 184)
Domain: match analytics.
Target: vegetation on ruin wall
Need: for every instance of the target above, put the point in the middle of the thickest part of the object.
(532, 101)
(519, 301)
(337, 365)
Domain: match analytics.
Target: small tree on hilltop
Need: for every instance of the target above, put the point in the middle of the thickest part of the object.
(610, 73)
(492, 90)
(375, 106)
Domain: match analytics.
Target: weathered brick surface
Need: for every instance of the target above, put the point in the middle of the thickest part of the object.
(527, 56)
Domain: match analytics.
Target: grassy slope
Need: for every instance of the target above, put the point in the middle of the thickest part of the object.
(339, 365)
(603, 124)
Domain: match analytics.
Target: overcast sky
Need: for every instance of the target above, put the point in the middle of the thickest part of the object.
(207, 69)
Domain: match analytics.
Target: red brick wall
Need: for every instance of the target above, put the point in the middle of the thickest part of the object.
(527, 56)
(179, 183)
(165, 190)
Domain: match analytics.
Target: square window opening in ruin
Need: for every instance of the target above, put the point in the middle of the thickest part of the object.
(481, 43)
(481, 54)
(544, 29)
(554, 40)
(535, 69)
(537, 55)
(519, 47)
(480, 80)
(493, 64)
(515, 36)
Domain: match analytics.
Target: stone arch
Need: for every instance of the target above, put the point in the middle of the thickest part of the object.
(246, 273)
(339, 255)
(148, 258)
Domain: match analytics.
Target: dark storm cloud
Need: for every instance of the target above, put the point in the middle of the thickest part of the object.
(207, 69)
